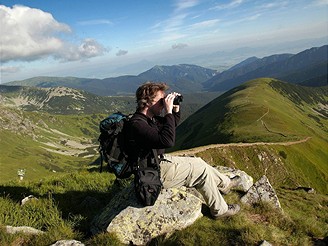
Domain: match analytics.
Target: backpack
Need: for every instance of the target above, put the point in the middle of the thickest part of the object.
(114, 151)
(112, 147)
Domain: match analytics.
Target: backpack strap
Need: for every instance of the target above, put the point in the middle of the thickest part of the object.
(156, 158)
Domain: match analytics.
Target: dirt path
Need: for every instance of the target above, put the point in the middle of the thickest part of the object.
(196, 150)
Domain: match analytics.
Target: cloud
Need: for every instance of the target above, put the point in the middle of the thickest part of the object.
(185, 4)
(87, 49)
(121, 52)
(179, 46)
(95, 22)
(29, 34)
(232, 4)
(9, 69)
(321, 2)
(205, 24)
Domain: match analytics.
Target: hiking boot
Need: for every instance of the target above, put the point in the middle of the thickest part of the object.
(235, 181)
(232, 210)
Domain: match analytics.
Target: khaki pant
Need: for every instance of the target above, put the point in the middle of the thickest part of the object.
(177, 171)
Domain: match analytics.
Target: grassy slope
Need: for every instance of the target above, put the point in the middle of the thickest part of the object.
(37, 145)
(236, 117)
(257, 112)
(67, 203)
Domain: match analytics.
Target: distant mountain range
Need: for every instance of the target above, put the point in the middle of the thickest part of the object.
(183, 78)
(308, 67)
(64, 100)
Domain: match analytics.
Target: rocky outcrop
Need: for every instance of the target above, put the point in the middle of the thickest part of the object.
(261, 191)
(174, 209)
(246, 180)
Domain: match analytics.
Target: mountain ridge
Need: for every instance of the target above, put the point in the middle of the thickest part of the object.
(275, 66)
(308, 67)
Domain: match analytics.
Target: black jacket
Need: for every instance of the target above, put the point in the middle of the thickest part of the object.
(149, 134)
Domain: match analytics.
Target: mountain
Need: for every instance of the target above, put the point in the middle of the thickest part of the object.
(264, 126)
(265, 109)
(185, 78)
(62, 100)
(309, 66)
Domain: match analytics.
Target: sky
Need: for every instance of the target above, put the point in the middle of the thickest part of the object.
(102, 38)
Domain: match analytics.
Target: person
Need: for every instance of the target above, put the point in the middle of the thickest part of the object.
(153, 126)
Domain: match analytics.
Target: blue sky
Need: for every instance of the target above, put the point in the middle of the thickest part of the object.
(102, 38)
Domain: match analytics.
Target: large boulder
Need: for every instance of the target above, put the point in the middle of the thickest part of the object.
(132, 223)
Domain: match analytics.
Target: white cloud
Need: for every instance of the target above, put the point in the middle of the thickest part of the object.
(9, 69)
(205, 24)
(29, 34)
(87, 49)
(232, 4)
(185, 4)
(95, 22)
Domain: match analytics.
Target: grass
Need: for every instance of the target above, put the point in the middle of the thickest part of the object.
(262, 110)
(67, 203)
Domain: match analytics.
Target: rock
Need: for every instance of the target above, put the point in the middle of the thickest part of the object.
(265, 243)
(67, 243)
(261, 191)
(23, 229)
(27, 199)
(246, 180)
(174, 210)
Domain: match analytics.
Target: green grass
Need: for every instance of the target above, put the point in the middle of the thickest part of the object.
(62, 213)
(38, 146)
(259, 110)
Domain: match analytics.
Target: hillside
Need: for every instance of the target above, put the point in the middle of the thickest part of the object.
(270, 126)
(262, 109)
(44, 144)
(47, 130)
(61, 100)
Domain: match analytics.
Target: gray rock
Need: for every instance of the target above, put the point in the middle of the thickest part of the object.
(261, 191)
(67, 243)
(265, 243)
(23, 229)
(174, 210)
(246, 180)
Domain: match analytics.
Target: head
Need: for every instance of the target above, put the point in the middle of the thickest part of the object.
(149, 94)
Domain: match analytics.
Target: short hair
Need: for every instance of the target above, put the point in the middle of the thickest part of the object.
(147, 92)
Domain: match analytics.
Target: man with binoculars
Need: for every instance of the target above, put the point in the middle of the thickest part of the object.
(153, 126)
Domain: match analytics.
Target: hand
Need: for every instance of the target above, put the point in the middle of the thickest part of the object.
(168, 103)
